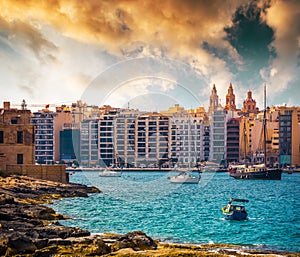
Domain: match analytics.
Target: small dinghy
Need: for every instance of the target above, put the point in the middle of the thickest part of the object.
(235, 211)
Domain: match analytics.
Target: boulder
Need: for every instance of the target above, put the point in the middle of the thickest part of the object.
(3, 245)
(137, 240)
(21, 244)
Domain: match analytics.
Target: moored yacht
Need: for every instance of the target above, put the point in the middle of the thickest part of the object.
(185, 177)
(110, 173)
(255, 172)
(260, 171)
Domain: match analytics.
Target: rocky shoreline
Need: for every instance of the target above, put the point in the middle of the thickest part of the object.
(29, 228)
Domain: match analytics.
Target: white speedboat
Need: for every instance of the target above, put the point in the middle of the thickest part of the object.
(110, 173)
(185, 177)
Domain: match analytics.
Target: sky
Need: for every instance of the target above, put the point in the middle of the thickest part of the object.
(148, 54)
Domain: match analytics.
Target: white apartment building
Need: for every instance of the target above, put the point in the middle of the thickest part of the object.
(187, 139)
(124, 134)
(152, 140)
(89, 150)
(218, 136)
(106, 132)
(130, 138)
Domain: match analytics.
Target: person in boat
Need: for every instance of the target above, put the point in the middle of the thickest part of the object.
(229, 207)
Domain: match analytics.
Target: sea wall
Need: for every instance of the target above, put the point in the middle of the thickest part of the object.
(56, 173)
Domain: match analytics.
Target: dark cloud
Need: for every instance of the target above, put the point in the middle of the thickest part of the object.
(117, 23)
(250, 36)
(16, 33)
(221, 39)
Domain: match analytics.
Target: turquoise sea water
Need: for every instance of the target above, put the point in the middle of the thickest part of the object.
(189, 213)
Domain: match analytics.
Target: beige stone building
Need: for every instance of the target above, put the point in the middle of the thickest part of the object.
(17, 146)
(16, 136)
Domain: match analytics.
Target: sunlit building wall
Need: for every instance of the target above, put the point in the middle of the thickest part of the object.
(152, 140)
(89, 145)
(17, 145)
(48, 125)
(124, 137)
(187, 139)
(218, 136)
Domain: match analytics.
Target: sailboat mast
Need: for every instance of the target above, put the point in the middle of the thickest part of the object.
(245, 141)
(265, 127)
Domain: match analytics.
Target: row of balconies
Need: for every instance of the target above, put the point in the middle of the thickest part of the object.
(44, 153)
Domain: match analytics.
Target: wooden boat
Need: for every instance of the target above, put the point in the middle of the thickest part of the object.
(261, 171)
(235, 211)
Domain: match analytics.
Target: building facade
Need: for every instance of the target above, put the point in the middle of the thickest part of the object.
(218, 136)
(289, 138)
(187, 139)
(16, 137)
(106, 132)
(233, 140)
(152, 140)
(70, 145)
(89, 143)
(124, 137)
(48, 125)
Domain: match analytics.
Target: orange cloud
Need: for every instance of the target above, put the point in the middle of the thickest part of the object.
(176, 26)
(283, 17)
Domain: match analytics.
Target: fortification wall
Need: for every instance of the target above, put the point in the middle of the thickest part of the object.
(55, 173)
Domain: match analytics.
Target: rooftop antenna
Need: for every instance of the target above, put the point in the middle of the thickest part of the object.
(23, 105)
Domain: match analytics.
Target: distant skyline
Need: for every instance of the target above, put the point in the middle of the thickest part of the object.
(149, 54)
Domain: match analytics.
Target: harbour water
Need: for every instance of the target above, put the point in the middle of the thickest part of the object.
(189, 213)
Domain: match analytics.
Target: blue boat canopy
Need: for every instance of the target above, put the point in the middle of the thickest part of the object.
(238, 200)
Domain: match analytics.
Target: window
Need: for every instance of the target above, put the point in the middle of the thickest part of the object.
(19, 158)
(1, 137)
(20, 137)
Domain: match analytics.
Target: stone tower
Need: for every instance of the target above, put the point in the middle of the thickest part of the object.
(249, 105)
(214, 100)
(230, 100)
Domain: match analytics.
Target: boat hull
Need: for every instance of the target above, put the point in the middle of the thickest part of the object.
(184, 178)
(110, 174)
(184, 181)
(268, 174)
(236, 215)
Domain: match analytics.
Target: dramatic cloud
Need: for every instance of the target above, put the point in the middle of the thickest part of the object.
(172, 27)
(223, 41)
(283, 17)
(17, 35)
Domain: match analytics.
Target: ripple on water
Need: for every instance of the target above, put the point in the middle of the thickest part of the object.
(189, 213)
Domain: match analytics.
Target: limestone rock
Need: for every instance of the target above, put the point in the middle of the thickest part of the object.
(21, 244)
(136, 240)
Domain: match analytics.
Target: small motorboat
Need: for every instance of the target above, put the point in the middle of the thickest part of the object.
(288, 170)
(185, 177)
(110, 173)
(235, 211)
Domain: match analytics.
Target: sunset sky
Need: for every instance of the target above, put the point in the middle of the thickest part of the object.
(149, 54)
